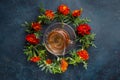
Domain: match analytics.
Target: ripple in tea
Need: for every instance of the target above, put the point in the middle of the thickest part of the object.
(57, 41)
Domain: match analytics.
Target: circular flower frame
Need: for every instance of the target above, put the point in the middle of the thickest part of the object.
(36, 51)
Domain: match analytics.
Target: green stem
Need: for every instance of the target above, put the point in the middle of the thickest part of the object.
(36, 50)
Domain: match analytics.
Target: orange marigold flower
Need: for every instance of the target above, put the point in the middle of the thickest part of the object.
(83, 29)
(36, 26)
(63, 9)
(35, 59)
(64, 65)
(83, 54)
(31, 38)
(50, 14)
(76, 13)
(48, 61)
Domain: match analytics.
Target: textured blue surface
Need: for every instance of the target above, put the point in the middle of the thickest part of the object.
(104, 62)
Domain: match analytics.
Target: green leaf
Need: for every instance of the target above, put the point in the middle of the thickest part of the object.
(85, 64)
(43, 68)
(47, 69)
(41, 65)
(94, 45)
(87, 40)
(42, 10)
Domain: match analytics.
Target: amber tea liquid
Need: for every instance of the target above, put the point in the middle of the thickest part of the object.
(57, 41)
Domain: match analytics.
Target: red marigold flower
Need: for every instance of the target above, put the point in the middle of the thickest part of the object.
(64, 65)
(48, 61)
(63, 9)
(76, 13)
(36, 26)
(35, 59)
(49, 14)
(31, 38)
(83, 54)
(83, 29)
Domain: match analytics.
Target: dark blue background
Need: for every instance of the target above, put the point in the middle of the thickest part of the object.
(104, 62)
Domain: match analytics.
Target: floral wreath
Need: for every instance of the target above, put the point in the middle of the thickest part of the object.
(35, 48)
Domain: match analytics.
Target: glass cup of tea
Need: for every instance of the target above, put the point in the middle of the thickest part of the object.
(59, 38)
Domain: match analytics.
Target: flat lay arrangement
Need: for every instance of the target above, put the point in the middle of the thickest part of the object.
(64, 42)
(60, 40)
